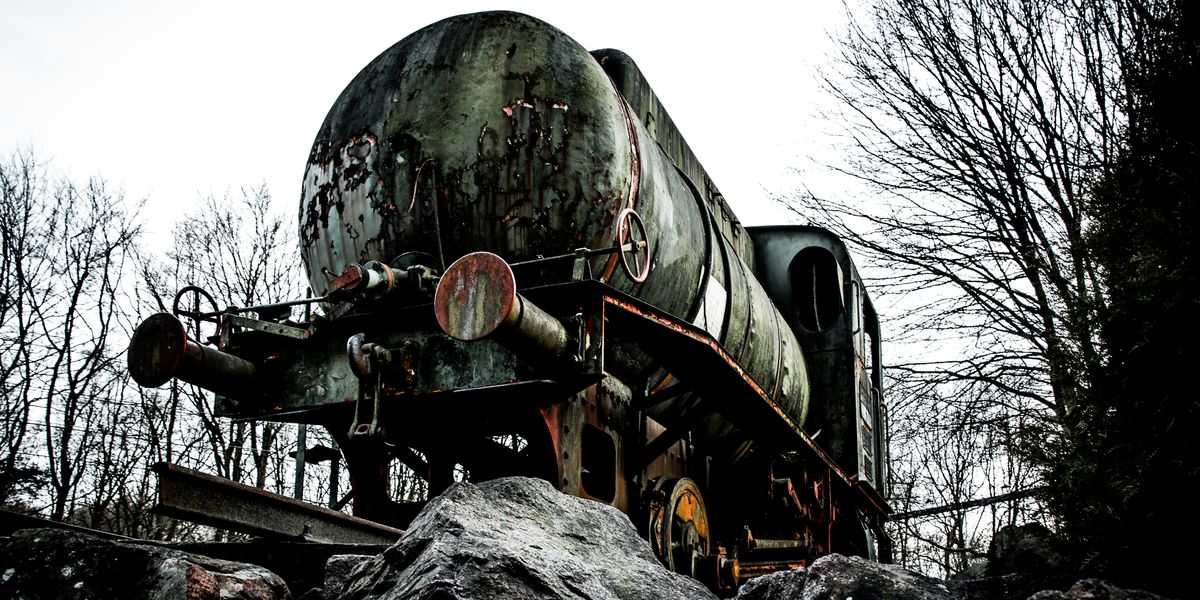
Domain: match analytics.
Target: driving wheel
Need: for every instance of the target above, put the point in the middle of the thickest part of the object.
(678, 529)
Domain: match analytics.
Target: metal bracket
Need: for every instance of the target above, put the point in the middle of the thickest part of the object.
(582, 269)
(371, 364)
(297, 333)
(366, 409)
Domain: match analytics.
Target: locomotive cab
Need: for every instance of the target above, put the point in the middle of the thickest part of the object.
(810, 276)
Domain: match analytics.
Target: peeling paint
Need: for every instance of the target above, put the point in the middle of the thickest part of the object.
(508, 108)
(545, 176)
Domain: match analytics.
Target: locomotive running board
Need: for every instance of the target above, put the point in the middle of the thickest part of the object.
(694, 357)
(218, 502)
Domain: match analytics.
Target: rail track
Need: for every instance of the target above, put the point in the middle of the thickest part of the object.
(293, 539)
(209, 500)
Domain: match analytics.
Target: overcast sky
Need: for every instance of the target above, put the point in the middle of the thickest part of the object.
(174, 100)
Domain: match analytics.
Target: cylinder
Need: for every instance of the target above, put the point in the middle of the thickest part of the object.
(160, 350)
(496, 132)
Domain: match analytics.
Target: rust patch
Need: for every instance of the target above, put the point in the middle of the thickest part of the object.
(475, 296)
(509, 108)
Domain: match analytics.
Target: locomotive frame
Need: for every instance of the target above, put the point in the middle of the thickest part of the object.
(607, 395)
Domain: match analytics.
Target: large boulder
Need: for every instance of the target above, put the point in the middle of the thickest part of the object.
(518, 538)
(56, 563)
(1095, 589)
(837, 577)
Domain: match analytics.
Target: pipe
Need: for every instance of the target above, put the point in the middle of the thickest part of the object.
(160, 350)
(477, 298)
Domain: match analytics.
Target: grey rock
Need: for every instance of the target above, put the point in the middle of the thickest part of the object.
(338, 570)
(837, 577)
(1096, 589)
(1013, 586)
(518, 538)
(302, 565)
(52, 563)
(779, 585)
(1023, 549)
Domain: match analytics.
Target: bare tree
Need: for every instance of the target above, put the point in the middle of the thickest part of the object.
(91, 234)
(945, 459)
(77, 437)
(976, 128)
(65, 247)
(117, 496)
(23, 260)
(977, 125)
(244, 254)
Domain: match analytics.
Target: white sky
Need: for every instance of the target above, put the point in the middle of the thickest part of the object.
(173, 100)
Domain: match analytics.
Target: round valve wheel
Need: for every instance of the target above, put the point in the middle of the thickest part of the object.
(632, 241)
(188, 305)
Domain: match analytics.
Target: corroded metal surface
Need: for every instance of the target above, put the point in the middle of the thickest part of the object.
(202, 498)
(160, 350)
(491, 131)
(679, 530)
(477, 298)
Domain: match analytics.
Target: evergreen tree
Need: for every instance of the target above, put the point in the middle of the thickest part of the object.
(1127, 475)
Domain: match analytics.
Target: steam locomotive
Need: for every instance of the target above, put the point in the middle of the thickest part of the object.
(522, 269)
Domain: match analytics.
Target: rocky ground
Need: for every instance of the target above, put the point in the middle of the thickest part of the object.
(512, 538)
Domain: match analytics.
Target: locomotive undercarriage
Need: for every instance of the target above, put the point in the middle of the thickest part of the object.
(392, 387)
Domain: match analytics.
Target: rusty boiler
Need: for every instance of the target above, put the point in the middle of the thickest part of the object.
(496, 132)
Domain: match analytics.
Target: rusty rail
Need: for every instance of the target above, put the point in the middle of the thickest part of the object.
(218, 502)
